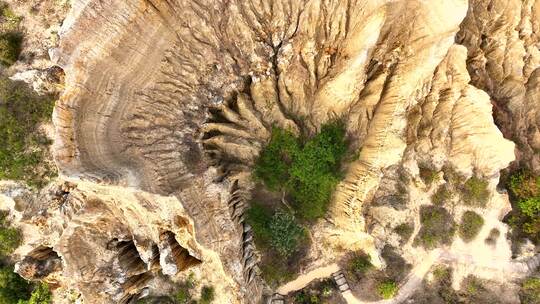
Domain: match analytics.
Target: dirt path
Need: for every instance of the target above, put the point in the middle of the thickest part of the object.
(304, 280)
(414, 279)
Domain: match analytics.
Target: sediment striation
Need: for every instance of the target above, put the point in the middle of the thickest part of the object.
(166, 105)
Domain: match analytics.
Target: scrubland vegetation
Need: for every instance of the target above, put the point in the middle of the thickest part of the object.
(10, 36)
(22, 146)
(525, 197)
(13, 288)
(438, 227)
(302, 173)
(471, 224)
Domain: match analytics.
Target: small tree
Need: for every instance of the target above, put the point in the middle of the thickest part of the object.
(286, 234)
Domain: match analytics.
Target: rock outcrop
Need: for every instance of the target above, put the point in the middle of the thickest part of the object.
(110, 244)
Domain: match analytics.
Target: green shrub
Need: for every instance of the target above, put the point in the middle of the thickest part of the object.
(530, 291)
(285, 234)
(40, 295)
(405, 231)
(524, 185)
(207, 295)
(12, 287)
(279, 231)
(272, 166)
(438, 227)
(21, 149)
(10, 47)
(442, 195)
(309, 172)
(493, 236)
(525, 190)
(258, 217)
(183, 295)
(387, 289)
(427, 175)
(360, 264)
(475, 192)
(471, 224)
(10, 238)
(275, 272)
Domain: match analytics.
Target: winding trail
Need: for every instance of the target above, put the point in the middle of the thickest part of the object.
(414, 279)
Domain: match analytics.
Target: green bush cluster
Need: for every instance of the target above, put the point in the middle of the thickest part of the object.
(360, 264)
(525, 194)
(307, 170)
(438, 227)
(280, 236)
(278, 231)
(12, 287)
(387, 289)
(10, 36)
(530, 291)
(184, 293)
(427, 175)
(21, 148)
(207, 295)
(471, 224)
(40, 295)
(442, 195)
(10, 238)
(475, 192)
(405, 231)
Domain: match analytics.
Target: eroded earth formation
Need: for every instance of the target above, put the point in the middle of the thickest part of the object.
(166, 105)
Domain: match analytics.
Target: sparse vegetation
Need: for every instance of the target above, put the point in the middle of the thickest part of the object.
(387, 289)
(530, 291)
(438, 227)
(22, 148)
(471, 224)
(319, 292)
(405, 231)
(493, 236)
(184, 293)
(279, 231)
(475, 192)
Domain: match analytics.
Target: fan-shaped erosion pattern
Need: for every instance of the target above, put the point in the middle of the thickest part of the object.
(176, 98)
